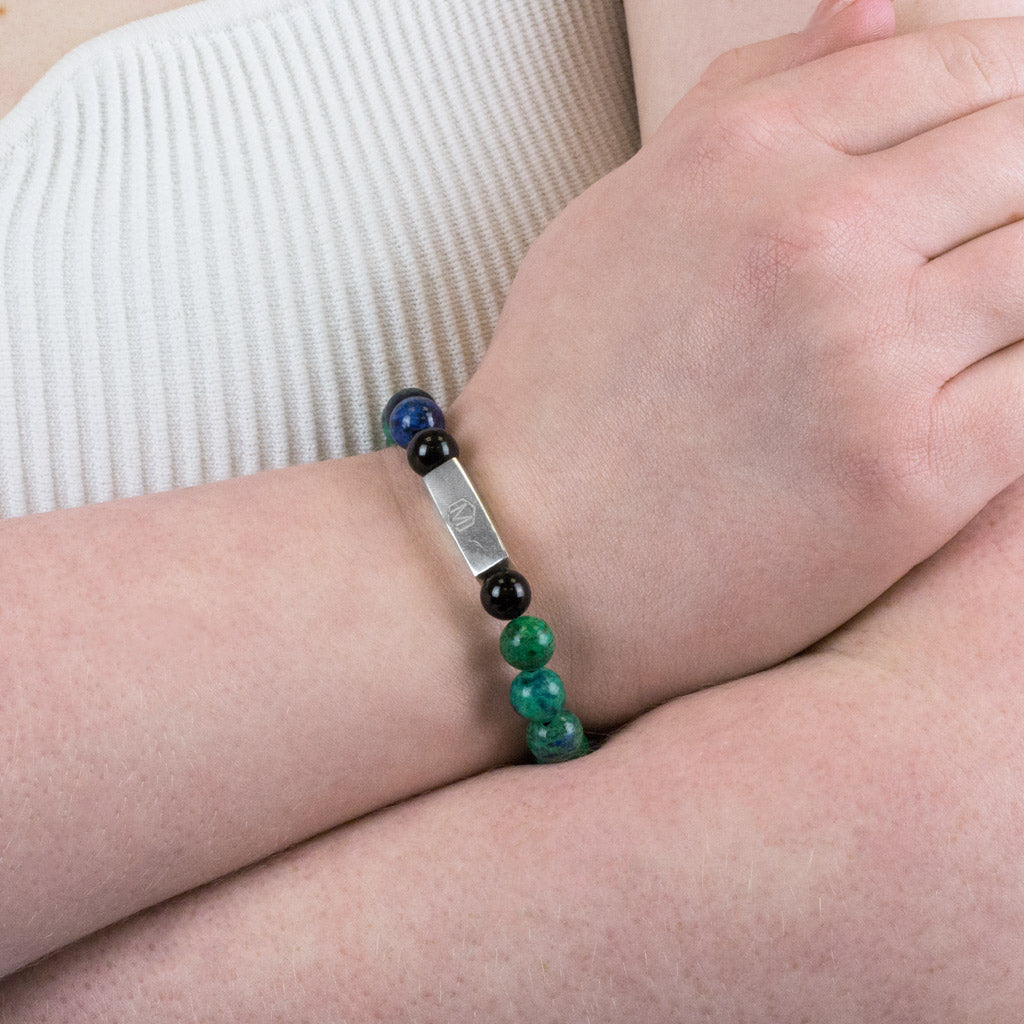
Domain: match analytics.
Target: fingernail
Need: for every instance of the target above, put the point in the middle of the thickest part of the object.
(826, 9)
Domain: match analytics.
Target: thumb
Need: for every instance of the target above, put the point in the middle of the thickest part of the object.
(834, 25)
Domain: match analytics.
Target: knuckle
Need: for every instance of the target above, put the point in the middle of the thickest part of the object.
(725, 137)
(751, 123)
(887, 453)
(906, 462)
(932, 458)
(814, 240)
(925, 462)
(881, 467)
(841, 215)
(977, 64)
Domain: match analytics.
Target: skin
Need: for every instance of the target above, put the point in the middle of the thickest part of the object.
(820, 384)
(867, 879)
(35, 34)
(837, 839)
(672, 42)
(225, 692)
(293, 692)
(586, 864)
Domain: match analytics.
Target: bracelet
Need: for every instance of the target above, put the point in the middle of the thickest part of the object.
(413, 420)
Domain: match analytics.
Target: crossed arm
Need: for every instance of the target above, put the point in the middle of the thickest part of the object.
(739, 736)
(837, 839)
(672, 42)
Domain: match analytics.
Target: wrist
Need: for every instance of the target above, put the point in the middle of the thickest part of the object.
(451, 646)
(622, 647)
(554, 732)
(543, 544)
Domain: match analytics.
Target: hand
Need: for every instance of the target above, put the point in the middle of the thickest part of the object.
(748, 380)
(233, 672)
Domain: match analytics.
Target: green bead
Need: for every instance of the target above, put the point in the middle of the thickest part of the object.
(527, 643)
(389, 441)
(561, 739)
(538, 696)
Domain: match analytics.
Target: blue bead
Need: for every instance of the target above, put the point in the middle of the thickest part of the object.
(412, 415)
(389, 408)
(561, 739)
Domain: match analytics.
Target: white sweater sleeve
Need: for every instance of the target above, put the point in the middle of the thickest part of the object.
(229, 232)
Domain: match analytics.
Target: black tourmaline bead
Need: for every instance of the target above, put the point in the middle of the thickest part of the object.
(429, 448)
(505, 594)
(398, 396)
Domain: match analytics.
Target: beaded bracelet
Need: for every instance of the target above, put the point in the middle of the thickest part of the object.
(413, 420)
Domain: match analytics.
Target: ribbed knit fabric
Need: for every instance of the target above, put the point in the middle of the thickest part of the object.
(229, 232)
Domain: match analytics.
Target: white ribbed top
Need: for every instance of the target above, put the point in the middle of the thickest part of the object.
(229, 232)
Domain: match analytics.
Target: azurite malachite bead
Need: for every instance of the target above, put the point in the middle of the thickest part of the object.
(412, 415)
(398, 396)
(527, 643)
(505, 594)
(538, 696)
(561, 739)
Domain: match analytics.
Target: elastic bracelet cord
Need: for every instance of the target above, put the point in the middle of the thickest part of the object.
(413, 420)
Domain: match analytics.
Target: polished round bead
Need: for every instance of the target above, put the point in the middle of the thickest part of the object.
(429, 448)
(538, 696)
(388, 409)
(411, 415)
(527, 643)
(561, 739)
(505, 594)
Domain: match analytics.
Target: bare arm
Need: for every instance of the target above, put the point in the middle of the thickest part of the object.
(196, 679)
(35, 35)
(672, 41)
(835, 840)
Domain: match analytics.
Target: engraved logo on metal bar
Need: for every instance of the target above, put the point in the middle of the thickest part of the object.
(461, 515)
(465, 516)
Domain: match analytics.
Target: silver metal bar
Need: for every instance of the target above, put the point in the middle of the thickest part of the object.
(465, 516)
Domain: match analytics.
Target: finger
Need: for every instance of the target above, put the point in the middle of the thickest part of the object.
(831, 28)
(955, 182)
(979, 424)
(974, 296)
(870, 97)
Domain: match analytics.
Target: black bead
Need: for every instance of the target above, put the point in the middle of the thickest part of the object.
(505, 594)
(401, 396)
(429, 448)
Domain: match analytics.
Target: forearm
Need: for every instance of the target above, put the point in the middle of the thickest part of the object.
(833, 840)
(671, 42)
(286, 651)
(33, 37)
(794, 847)
(196, 679)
